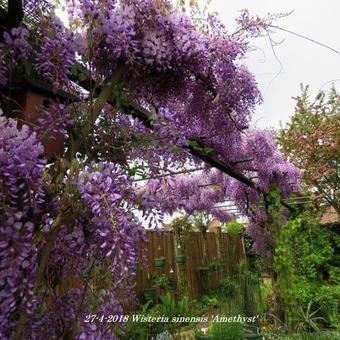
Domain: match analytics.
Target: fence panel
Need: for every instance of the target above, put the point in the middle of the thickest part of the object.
(203, 250)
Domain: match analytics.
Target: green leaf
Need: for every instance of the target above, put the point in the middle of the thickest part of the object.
(74, 70)
(193, 143)
(28, 67)
(208, 150)
(82, 76)
(175, 149)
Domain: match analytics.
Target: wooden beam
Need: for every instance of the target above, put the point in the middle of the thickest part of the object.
(222, 167)
(15, 14)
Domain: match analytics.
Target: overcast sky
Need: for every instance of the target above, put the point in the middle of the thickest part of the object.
(302, 61)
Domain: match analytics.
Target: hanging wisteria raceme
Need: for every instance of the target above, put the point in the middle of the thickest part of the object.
(108, 192)
(21, 167)
(113, 234)
(21, 195)
(14, 49)
(261, 148)
(57, 54)
(53, 120)
(18, 266)
(108, 305)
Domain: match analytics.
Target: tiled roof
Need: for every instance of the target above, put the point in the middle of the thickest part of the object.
(330, 216)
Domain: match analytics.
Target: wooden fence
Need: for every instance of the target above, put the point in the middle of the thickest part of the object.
(201, 250)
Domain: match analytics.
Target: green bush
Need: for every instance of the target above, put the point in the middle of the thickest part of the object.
(138, 330)
(161, 281)
(227, 287)
(308, 279)
(225, 330)
(208, 301)
(235, 228)
(170, 307)
(321, 335)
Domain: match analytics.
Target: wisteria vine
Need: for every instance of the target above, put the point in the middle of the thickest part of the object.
(145, 85)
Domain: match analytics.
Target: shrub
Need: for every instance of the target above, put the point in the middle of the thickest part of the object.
(225, 330)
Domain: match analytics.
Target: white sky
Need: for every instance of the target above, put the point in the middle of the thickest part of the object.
(302, 61)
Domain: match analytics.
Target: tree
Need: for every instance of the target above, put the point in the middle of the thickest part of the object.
(311, 141)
